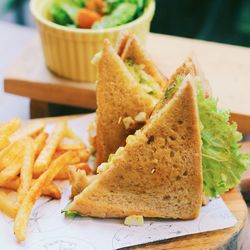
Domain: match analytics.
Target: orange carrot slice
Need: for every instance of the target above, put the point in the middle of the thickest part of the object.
(86, 18)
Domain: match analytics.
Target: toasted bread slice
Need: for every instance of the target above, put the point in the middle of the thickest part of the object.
(159, 171)
(191, 66)
(129, 48)
(189, 69)
(121, 42)
(119, 97)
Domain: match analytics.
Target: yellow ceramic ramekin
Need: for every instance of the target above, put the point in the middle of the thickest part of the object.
(68, 51)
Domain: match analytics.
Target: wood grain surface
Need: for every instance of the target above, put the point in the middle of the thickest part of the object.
(226, 67)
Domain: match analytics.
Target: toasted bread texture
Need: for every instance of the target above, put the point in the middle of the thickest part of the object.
(121, 42)
(189, 69)
(78, 180)
(118, 97)
(191, 66)
(130, 48)
(159, 171)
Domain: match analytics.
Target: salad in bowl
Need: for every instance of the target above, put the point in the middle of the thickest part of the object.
(73, 31)
(95, 14)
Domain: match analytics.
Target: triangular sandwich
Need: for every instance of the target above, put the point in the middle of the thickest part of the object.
(126, 97)
(158, 173)
(162, 161)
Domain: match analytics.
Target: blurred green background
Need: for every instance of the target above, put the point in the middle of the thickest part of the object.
(226, 21)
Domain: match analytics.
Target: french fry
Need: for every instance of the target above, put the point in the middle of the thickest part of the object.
(84, 166)
(63, 174)
(12, 162)
(9, 173)
(84, 155)
(51, 190)
(30, 129)
(69, 133)
(79, 148)
(34, 136)
(71, 146)
(23, 214)
(9, 127)
(26, 170)
(40, 142)
(12, 184)
(45, 157)
(4, 141)
(59, 153)
(11, 154)
(7, 206)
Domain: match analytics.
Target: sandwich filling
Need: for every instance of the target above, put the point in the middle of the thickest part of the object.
(148, 83)
(173, 88)
(106, 165)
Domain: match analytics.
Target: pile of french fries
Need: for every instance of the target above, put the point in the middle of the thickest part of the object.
(30, 159)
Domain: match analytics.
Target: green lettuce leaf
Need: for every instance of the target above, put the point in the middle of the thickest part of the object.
(64, 12)
(71, 214)
(172, 89)
(223, 163)
(123, 13)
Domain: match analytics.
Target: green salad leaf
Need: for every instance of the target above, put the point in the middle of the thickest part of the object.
(80, 3)
(64, 12)
(117, 12)
(172, 89)
(59, 15)
(222, 162)
(123, 13)
(140, 6)
(71, 214)
(110, 5)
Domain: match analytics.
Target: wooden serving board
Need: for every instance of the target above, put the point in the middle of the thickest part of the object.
(226, 66)
(231, 238)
